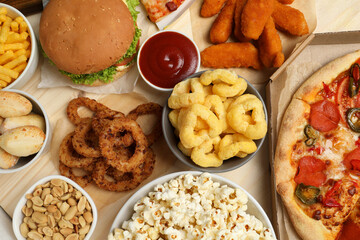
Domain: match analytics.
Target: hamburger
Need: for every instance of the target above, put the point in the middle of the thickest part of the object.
(92, 42)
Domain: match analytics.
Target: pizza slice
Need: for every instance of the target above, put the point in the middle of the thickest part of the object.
(158, 9)
(317, 161)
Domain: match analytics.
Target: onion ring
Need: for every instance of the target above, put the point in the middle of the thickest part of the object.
(99, 124)
(139, 174)
(79, 141)
(69, 157)
(83, 181)
(74, 104)
(108, 136)
(149, 108)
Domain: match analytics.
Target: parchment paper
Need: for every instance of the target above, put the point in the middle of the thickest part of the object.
(311, 59)
(194, 26)
(201, 28)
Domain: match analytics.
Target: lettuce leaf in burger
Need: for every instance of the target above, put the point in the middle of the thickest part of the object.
(92, 42)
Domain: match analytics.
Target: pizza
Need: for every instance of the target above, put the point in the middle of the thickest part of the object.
(158, 9)
(317, 157)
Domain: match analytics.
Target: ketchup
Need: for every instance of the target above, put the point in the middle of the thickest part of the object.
(167, 58)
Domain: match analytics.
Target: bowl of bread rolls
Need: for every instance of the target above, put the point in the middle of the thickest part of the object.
(24, 130)
(19, 54)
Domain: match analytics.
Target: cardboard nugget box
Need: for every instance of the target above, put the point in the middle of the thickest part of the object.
(308, 57)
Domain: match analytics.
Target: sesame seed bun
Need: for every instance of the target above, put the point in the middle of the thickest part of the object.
(85, 36)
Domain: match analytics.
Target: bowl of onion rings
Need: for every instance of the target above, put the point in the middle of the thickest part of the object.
(219, 124)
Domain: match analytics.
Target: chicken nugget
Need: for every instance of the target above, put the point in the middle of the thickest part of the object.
(223, 24)
(254, 16)
(232, 54)
(237, 21)
(290, 20)
(211, 7)
(285, 1)
(270, 48)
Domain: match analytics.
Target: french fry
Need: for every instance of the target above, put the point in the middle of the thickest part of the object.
(19, 52)
(8, 72)
(8, 55)
(26, 44)
(16, 62)
(2, 18)
(5, 78)
(14, 26)
(28, 53)
(5, 30)
(20, 67)
(13, 46)
(16, 37)
(3, 10)
(19, 20)
(3, 84)
(23, 27)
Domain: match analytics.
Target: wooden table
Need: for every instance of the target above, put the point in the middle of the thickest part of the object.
(336, 15)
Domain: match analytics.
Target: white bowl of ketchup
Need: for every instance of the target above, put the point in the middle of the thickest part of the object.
(166, 58)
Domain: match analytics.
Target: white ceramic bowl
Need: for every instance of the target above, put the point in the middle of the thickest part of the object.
(143, 75)
(34, 56)
(38, 109)
(127, 210)
(18, 216)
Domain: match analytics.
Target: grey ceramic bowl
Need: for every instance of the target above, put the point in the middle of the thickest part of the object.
(228, 165)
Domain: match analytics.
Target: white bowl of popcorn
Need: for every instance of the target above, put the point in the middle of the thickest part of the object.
(181, 206)
(55, 207)
(19, 52)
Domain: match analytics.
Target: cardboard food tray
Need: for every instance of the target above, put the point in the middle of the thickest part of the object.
(308, 57)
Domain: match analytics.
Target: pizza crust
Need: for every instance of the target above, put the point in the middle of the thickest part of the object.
(292, 126)
(326, 74)
(291, 130)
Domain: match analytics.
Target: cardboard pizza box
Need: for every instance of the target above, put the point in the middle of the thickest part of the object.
(309, 56)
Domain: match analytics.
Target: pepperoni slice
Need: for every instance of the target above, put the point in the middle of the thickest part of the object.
(352, 160)
(350, 231)
(310, 171)
(324, 116)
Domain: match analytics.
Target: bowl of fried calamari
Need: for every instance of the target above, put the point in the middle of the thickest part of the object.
(214, 121)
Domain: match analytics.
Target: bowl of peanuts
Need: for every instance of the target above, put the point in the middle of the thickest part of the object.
(19, 54)
(55, 207)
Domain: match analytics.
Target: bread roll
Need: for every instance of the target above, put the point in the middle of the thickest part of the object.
(13, 105)
(31, 119)
(7, 160)
(22, 141)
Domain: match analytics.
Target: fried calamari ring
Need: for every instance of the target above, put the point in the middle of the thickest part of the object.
(83, 181)
(79, 141)
(191, 138)
(233, 144)
(149, 108)
(214, 103)
(238, 116)
(74, 104)
(107, 138)
(124, 183)
(225, 83)
(70, 157)
(204, 154)
(186, 93)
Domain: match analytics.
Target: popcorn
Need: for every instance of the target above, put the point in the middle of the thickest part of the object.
(192, 207)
